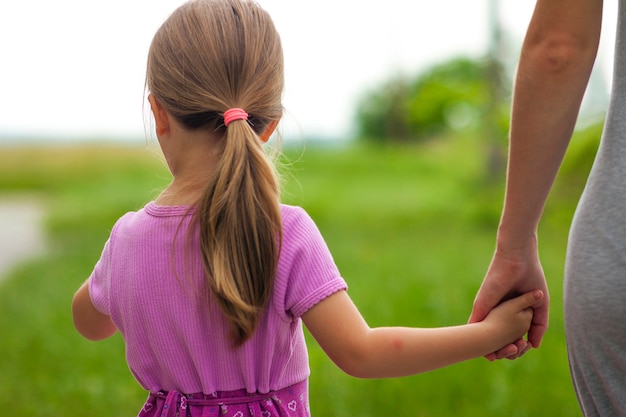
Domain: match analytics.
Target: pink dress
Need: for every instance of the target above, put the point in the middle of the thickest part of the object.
(149, 279)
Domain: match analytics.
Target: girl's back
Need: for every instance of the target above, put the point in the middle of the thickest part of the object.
(175, 338)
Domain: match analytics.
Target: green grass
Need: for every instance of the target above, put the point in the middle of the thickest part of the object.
(411, 228)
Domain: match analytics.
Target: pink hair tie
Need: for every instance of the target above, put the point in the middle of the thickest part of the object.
(233, 114)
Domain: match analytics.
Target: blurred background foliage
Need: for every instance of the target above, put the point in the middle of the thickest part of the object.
(455, 95)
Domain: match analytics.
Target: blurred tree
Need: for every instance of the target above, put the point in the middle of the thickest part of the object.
(453, 95)
(449, 96)
(382, 113)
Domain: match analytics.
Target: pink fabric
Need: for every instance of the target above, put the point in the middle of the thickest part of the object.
(291, 401)
(175, 340)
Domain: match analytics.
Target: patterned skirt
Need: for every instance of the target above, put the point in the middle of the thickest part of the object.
(292, 401)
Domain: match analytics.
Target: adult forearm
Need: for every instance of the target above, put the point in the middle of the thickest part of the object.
(555, 64)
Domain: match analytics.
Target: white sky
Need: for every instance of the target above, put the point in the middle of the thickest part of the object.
(75, 69)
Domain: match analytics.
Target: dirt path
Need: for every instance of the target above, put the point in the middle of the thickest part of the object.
(21, 231)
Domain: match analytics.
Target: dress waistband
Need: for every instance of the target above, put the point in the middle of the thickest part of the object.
(177, 401)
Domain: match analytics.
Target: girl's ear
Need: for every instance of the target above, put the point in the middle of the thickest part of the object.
(161, 117)
(267, 133)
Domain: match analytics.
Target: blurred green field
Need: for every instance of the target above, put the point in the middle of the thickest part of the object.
(411, 228)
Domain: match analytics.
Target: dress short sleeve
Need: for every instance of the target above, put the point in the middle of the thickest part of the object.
(100, 281)
(307, 272)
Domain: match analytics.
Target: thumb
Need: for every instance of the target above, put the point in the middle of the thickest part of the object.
(479, 312)
(528, 299)
(484, 302)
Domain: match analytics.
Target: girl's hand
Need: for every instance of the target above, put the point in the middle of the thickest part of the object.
(514, 272)
(512, 319)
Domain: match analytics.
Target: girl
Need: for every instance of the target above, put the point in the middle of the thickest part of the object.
(209, 284)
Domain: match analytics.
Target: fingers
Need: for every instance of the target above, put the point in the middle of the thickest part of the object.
(522, 347)
(505, 352)
(539, 326)
(528, 347)
(527, 300)
(540, 306)
(512, 351)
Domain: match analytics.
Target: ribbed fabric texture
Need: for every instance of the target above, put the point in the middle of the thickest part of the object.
(152, 285)
(595, 266)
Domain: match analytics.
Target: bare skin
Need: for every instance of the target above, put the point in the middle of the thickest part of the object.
(554, 68)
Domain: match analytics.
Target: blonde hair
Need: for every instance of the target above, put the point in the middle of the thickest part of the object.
(207, 57)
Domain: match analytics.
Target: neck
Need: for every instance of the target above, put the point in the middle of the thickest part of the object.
(191, 159)
(180, 193)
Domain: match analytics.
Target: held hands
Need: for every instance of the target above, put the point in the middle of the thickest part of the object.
(514, 272)
(512, 319)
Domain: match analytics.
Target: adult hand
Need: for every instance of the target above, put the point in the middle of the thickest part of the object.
(511, 274)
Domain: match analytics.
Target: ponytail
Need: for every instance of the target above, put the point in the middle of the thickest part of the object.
(240, 230)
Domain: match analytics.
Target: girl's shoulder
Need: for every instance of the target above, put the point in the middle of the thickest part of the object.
(299, 229)
(288, 211)
(295, 216)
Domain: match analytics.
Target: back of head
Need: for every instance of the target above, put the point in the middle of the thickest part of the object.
(210, 56)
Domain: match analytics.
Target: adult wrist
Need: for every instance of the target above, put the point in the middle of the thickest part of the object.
(515, 242)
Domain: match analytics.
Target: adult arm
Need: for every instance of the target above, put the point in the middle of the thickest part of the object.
(387, 352)
(554, 68)
(89, 322)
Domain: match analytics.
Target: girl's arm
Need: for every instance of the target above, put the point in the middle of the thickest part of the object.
(89, 322)
(554, 67)
(387, 352)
